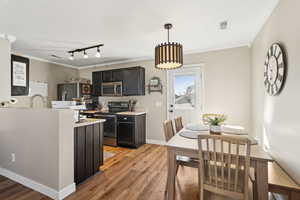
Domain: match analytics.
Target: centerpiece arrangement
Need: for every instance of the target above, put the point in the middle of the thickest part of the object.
(215, 123)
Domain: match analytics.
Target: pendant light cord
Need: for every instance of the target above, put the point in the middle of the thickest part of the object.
(168, 35)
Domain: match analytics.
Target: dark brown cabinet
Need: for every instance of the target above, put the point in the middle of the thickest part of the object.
(131, 130)
(88, 151)
(97, 83)
(133, 80)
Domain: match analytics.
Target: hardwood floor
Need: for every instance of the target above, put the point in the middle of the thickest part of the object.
(129, 175)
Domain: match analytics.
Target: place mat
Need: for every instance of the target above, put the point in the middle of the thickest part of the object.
(191, 134)
(197, 127)
(194, 135)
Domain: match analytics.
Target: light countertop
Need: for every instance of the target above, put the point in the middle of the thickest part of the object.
(131, 113)
(88, 121)
(119, 113)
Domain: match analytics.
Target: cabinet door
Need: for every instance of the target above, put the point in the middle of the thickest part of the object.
(97, 81)
(125, 134)
(117, 75)
(96, 147)
(134, 81)
(130, 82)
(107, 76)
(89, 149)
(80, 173)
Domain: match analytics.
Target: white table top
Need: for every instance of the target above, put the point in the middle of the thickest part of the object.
(182, 143)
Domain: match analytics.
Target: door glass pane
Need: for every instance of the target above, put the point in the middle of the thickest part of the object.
(184, 91)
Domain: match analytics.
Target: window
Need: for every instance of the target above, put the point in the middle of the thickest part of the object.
(184, 91)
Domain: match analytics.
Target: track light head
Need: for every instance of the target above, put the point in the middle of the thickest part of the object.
(71, 56)
(85, 56)
(98, 55)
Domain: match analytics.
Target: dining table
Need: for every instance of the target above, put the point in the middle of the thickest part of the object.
(182, 146)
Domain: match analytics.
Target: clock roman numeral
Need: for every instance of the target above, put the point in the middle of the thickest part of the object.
(280, 77)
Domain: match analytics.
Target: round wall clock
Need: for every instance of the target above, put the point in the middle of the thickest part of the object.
(275, 69)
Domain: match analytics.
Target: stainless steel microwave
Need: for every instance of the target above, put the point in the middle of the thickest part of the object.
(111, 89)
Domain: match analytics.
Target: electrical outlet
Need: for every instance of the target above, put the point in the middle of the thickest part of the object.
(13, 157)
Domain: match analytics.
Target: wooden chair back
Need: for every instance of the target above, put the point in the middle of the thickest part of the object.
(224, 163)
(178, 124)
(205, 117)
(168, 130)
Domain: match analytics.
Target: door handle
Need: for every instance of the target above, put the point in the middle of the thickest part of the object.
(170, 111)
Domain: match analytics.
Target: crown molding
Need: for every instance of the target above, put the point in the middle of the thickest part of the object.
(146, 58)
(116, 62)
(45, 60)
(10, 38)
(241, 44)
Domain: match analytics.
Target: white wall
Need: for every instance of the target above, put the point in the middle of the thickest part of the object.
(226, 87)
(276, 119)
(5, 70)
(49, 73)
(43, 143)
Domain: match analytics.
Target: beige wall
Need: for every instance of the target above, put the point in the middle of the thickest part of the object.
(5, 70)
(226, 87)
(48, 73)
(276, 119)
(43, 143)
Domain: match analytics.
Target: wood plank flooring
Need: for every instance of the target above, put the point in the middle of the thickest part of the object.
(129, 175)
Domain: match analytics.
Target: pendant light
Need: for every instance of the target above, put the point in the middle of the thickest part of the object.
(168, 55)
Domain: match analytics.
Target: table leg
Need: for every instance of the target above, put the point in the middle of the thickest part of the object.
(261, 177)
(171, 174)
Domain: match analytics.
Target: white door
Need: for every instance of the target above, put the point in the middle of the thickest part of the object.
(185, 94)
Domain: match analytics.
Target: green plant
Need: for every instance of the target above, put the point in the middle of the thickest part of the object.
(217, 121)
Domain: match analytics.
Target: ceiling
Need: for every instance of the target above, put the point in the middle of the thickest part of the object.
(128, 29)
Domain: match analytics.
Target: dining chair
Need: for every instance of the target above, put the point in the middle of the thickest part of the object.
(205, 117)
(178, 124)
(224, 171)
(180, 160)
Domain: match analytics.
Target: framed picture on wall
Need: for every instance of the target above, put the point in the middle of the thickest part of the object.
(19, 76)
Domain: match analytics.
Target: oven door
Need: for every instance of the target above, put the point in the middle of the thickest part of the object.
(109, 129)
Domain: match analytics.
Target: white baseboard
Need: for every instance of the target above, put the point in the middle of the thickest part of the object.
(54, 194)
(66, 191)
(160, 142)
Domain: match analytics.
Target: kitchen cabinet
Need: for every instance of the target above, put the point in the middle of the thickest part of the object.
(97, 82)
(133, 80)
(107, 76)
(88, 151)
(131, 131)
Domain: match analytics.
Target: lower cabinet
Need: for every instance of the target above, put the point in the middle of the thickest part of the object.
(88, 152)
(131, 130)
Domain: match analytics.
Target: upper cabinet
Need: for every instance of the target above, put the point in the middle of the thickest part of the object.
(97, 83)
(133, 80)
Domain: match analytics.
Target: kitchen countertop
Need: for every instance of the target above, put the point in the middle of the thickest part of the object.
(119, 113)
(88, 121)
(131, 113)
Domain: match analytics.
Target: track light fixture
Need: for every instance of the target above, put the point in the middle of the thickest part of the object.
(85, 55)
(98, 55)
(71, 56)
